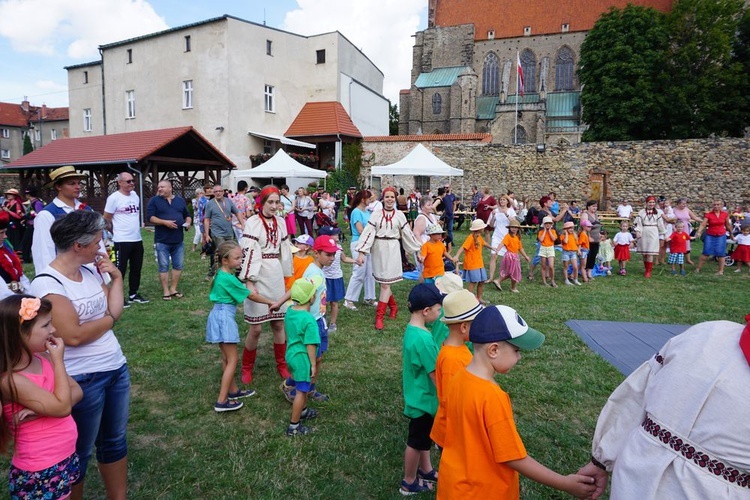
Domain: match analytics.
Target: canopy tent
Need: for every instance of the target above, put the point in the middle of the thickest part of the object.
(281, 165)
(420, 161)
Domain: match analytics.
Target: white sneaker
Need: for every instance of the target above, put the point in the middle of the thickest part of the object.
(332, 327)
(576, 282)
(350, 305)
(567, 282)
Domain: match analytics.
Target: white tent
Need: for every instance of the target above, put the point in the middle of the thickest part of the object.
(420, 161)
(281, 165)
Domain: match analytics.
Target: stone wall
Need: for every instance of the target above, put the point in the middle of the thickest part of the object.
(699, 169)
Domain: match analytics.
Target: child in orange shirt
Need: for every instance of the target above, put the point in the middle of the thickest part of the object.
(459, 309)
(547, 237)
(303, 243)
(482, 451)
(511, 265)
(571, 252)
(474, 272)
(432, 253)
(584, 245)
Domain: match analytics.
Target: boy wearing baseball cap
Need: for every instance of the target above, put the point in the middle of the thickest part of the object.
(459, 309)
(420, 397)
(302, 339)
(483, 453)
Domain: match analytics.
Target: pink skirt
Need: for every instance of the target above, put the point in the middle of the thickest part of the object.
(291, 223)
(511, 266)
(622, 252)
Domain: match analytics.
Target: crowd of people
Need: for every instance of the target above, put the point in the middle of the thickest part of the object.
(280, 257)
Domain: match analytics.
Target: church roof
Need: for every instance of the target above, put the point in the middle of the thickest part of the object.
(439, 77)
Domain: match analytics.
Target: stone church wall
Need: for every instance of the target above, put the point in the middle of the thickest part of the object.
(699, 169)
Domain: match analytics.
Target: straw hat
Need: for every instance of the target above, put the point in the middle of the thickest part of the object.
(569, 225)
(434, 229)
(548, 220)
(477, 225)
(449, 282)
(62, 173)
(12, 191)
(460, 306)
(514, 223)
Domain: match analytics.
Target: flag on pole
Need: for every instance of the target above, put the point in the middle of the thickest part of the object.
(519, 84)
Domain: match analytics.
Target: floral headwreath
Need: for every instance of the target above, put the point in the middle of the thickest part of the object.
(29, 308)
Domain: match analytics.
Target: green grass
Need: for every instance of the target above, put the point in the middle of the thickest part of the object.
(180, 448)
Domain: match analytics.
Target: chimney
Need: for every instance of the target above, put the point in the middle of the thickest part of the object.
(44, 111)
(25, 104)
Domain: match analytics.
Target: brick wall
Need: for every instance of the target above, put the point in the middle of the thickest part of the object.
(699, 169)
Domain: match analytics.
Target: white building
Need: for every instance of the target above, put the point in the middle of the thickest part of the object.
(240, 84)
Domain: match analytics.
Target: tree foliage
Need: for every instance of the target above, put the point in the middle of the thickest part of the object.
(27, 146)
(648, 75)
(393, 116)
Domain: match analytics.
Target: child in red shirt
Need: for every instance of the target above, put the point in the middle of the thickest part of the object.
(678, 246)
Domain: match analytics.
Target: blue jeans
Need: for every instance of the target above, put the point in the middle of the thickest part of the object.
(449, 224)
(165, 251)
(102, 416)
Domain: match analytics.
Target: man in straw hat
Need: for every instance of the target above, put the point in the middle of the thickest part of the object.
(66, 182)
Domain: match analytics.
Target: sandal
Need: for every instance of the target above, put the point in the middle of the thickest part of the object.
(166, 297)
(497, 285)
(431, 476)
(177, 294)
(418, 486)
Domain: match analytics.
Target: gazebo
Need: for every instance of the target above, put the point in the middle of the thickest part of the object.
(180, 154)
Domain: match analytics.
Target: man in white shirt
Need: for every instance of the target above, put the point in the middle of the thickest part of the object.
(123, 214)
(66, 182)
(624, 210)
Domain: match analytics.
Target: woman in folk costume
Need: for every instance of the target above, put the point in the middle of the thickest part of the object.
(677, 427)
(385, 231)
(12, 279)
(267, 259)
(649, 234)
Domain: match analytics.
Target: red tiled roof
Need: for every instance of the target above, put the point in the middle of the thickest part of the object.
(508, 19)
(108, 149)
(429, 138)
(322, 118)
(14, 115)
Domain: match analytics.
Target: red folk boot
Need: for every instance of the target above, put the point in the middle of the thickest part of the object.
(393, 307)
(649, 267)
(279, 352)
(380, 314)
(248, 362)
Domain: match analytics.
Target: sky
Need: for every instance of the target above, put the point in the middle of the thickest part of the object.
(38, 38)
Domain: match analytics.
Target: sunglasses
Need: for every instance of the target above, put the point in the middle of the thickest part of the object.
(129, 181)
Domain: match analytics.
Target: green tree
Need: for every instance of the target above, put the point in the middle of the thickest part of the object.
(706, 80)
(393, 117)
(27, 146)
(621, 73)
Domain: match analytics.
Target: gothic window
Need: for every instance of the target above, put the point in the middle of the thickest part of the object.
(564, 69)
(491, 75)
(519, 135)
(528, 64)
(437, 104)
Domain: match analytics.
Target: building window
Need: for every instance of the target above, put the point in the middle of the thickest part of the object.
(6, 133)
(5, 154)
(491, 75)
(565, 27)
(130, 56)
(421, 182)
(527, 31)
(269, 47)
(320, 56)
(85, 77)
(187, 43)
(491, 35)
(564, 69)
(528, 64)
(130, 104)
(53, 134)
(437, 104)
(268, 147)
(87, 120)
(270, 104)
(187, 94)
(519, 135)
(37, 135)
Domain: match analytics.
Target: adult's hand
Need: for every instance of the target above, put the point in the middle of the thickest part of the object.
(170, 224)
(601, 478)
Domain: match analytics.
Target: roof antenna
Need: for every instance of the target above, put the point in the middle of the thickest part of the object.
(264, 16)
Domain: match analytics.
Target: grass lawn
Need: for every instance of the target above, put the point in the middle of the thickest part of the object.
(181, 448)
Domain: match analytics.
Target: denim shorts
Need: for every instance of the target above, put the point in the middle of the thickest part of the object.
(323, 330)
(102, 416)
(165, 251)
(569, 255)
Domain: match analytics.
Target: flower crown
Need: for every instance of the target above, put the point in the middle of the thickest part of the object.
(29, 308)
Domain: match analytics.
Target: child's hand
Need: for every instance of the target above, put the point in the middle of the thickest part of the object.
(580, 486)
(360, 259)
(313, 370)
(56, 348)
(275, 306)
(24, 415)
(528, 259)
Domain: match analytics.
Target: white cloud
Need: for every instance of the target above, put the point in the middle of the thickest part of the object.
(49, 85)
(74, 27)
(382, 29)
